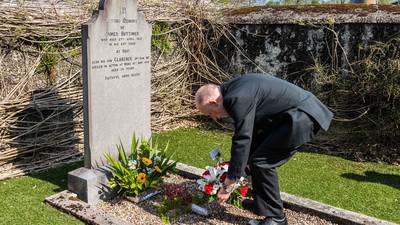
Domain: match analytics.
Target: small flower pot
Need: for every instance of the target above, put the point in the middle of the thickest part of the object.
(199, 210)
(144, 195)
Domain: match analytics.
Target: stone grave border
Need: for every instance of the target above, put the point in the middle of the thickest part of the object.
(69, 203)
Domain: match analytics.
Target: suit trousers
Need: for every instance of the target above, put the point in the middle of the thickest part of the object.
(270, 149)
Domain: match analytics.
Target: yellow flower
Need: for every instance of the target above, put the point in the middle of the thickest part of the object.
(146, 161)
(141, 178)
(157, 169)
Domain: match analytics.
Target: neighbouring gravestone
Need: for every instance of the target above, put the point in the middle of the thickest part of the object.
(116, 70)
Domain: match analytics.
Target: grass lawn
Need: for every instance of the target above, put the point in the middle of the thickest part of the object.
(369, 188)
(22, 198)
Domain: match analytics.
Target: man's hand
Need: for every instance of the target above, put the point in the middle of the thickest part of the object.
(222, 194)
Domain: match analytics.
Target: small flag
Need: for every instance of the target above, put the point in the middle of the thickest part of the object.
(215, 154)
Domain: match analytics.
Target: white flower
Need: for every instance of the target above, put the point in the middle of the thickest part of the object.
(220, 171)
(201, 184)
(132, 164)
(150, 170)
(157, 159)
(213, 176)
(225, 167)
(215, 189)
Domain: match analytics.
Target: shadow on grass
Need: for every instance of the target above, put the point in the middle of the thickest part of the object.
(391, 180)
(208, 124)
(57, 176)
(44, 134)
(44, 126)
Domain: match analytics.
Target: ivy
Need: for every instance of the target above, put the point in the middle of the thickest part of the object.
(160, 39)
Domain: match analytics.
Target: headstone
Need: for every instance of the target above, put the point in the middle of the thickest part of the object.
(116, 53)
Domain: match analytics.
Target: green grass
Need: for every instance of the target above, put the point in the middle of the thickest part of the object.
(369, 188)
(22, 199)
(192, 146)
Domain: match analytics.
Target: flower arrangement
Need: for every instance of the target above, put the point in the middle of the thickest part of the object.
(213, 179)
(141, 170)
(177, 191)
(177, 201)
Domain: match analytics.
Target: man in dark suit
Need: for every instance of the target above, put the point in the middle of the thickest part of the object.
(272, 118)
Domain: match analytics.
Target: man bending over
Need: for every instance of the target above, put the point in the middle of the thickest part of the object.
(272, 118)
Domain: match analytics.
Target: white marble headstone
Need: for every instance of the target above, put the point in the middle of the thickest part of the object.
(116, 71)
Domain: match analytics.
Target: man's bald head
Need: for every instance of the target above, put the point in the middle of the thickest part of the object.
(206, 93)
(209, 101)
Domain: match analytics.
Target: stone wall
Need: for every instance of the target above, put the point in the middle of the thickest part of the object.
(287, 41)
(290, 41)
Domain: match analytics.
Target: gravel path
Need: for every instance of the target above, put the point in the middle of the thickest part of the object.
(145, 213)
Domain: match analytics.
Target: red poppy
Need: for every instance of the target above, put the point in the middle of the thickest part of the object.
(244, 191)
(206, 173)
(223, 177)
(208, 188)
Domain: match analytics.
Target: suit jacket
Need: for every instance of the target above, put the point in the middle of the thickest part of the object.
(254, 99)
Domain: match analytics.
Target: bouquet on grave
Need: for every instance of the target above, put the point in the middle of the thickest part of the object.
(213, 179)
(144, 168)
(179, 200)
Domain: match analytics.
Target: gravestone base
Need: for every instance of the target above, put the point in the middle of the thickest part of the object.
(90, 185)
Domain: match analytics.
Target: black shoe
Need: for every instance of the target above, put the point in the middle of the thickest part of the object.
(249, 205)
(269, 221)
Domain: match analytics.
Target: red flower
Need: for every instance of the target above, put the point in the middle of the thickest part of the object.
(176, 191)
(223, 177)
(206, 173)
(244, 191)
(223, 163)
(208, 188)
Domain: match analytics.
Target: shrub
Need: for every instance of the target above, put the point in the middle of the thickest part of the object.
(368, 96)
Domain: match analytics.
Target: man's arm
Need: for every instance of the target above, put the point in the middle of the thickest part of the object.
(242, 112)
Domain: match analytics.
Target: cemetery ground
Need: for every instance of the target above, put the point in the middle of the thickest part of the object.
(368, 188)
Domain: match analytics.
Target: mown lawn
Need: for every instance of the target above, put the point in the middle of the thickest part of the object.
(368, 188)
(22, 198)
